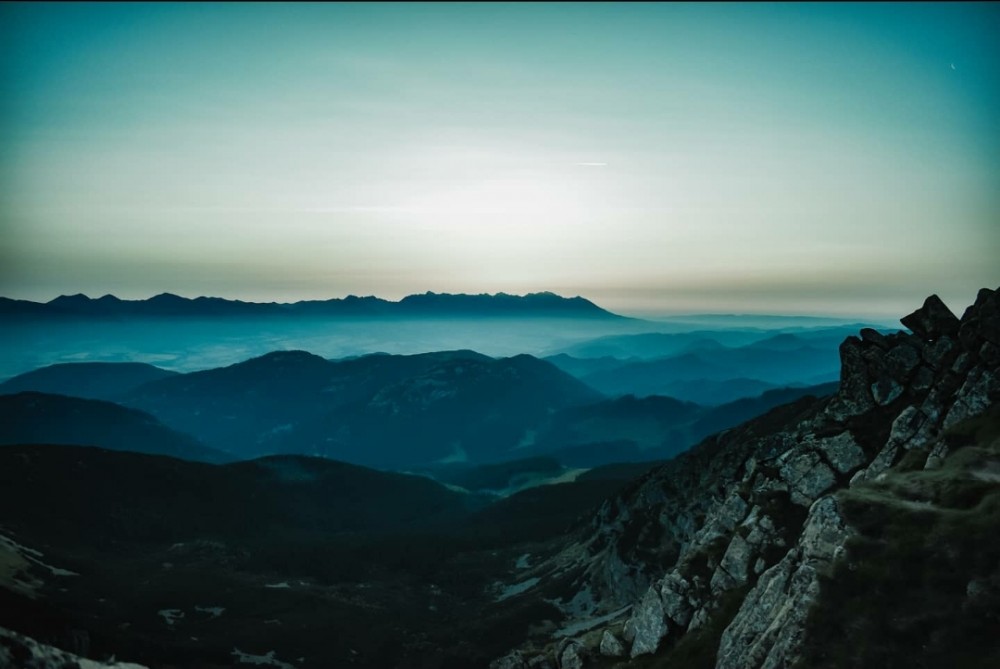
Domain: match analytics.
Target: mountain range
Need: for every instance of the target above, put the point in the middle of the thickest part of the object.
(457, 408)
(426, 305)
(864, 511)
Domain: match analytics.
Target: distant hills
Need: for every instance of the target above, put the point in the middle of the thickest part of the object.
(42, 418)
(444, 409)
(426, 305)
(699, 368)
(89, 380)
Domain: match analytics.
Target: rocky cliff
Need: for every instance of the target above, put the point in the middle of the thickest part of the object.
(727, 555)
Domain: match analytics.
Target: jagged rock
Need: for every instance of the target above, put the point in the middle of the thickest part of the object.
(649, 624)
(570, 655)
(761, 527)
(540, 662)
(932, 320)
(807, 476)
(973, 398)
(699, 618)
(936, 457)
(725, 505)
(719, 523)
(922, 379)
(841, 451)
(854, 395)
(961, 364)
(901, 361)
(733, 569)
(909, 429)
(981, 321)
(767, 631)
(874, 337)
(674, 591)
(512, 660)
(989, 353)
(20, 652)
(611, 646)
(938, 354)
(886, 391)
(628, 630)
(885, 459)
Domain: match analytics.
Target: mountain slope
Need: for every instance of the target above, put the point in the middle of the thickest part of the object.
(661, 376)
(89, 380)
(39, 418)
(627, 429)
(717, 558)
(382, 410)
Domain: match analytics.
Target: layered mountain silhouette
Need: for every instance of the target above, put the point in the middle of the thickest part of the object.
(41, 418)
(457, 407)
(89, 380)
(380, 410)
(427, 305)
(866, 514)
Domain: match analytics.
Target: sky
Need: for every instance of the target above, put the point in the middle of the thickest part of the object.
(655, 158)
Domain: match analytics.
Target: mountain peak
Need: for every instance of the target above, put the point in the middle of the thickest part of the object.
(430, 304)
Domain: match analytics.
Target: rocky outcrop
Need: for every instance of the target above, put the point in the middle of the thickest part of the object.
(751, 512)
(20, 652)
(765, 633)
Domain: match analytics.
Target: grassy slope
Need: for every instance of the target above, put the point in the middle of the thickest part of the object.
(920, 584)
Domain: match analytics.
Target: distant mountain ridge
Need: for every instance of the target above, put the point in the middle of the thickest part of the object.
(434, 305)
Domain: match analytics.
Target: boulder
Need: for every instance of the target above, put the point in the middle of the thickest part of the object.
(649, 624)
(611, 646)
(570, 655)
(932, 320)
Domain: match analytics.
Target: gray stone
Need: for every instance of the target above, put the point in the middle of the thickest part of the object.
(649, 624)
(512, 660)
(842, 452)
(570, 655)
(611, 646)
(699, 618)
(885, 391)
(938, 354)
(937, 455)
(973, 398)
(807, 477)
(854, 395)
(21, 652)
(885, 459)
(907, 424)
(767, 632)
(736, 561)
(901, 361)
(674, 591)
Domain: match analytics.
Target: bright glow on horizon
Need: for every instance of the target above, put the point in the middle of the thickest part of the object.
(654, 158)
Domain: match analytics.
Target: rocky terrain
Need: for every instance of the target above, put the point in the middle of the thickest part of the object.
(869, 515)
(738, 554)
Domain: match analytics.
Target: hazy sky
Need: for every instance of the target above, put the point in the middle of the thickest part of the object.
(651, 157)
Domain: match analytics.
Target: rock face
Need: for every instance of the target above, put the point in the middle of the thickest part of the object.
(21, 652)
(751, 514)
(763, 633)
(932, 320)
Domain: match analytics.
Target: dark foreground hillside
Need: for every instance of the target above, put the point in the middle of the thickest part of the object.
(180, 564)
